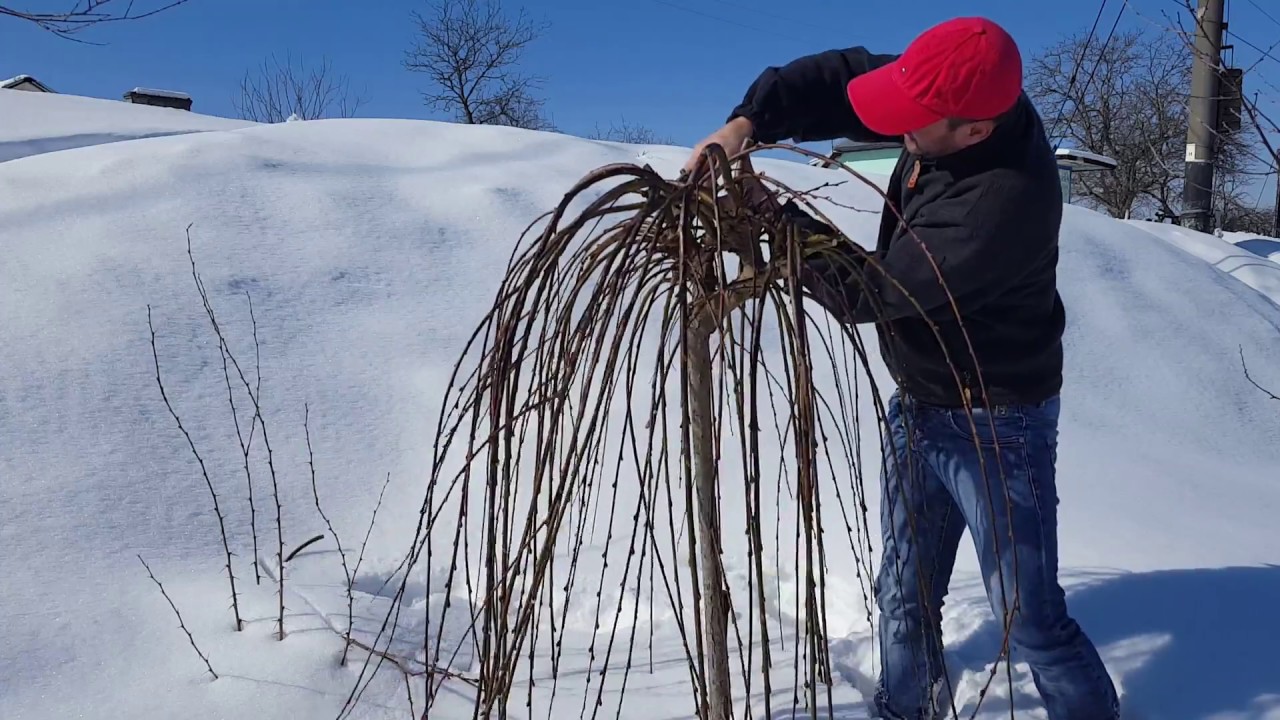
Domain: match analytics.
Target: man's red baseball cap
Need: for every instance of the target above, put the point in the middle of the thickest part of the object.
(967, 68)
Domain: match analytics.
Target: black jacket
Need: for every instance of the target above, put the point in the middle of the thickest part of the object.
(989, 216)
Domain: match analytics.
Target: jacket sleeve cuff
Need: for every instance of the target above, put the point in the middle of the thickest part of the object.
(765, 129)
(807, 223)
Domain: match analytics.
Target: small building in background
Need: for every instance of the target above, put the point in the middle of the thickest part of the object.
(159, 98)
(876, 158)
(24, 82)
(880, 158)
(1072, 161)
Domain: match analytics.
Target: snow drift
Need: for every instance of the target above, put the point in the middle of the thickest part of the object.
(1265, 247)
(32, 123)
(370, 249)
(1253, 260)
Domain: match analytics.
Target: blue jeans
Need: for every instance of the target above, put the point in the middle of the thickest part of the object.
(934, 488)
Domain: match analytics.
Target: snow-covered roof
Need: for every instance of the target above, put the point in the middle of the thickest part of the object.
(845, 145)
(17, 80)
(161, 93)
(1078, 159)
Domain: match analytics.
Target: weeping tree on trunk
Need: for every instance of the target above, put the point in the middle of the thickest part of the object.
(636, 359)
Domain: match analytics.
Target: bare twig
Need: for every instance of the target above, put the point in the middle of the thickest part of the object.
(1252, 382)
(1234, 152)
(306, 424)
(369, 531)
(277, 91)
(83, 14)
(217, 509)
(254, 397)
(625, 131)
(245, 446)
(355, 572)
(306, 544)
(181, 624)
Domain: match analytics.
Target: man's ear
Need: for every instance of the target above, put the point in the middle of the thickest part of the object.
(978, 131)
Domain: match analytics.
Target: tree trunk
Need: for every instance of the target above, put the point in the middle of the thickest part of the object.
(715, 606)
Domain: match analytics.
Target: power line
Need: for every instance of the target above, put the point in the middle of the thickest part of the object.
(1200, 177)
(1102, 52)
(1265, 53)
(1265, 14)
(774, 32)
(1251, 106)
(1249, 70)
(1075, 69)
(771, 18)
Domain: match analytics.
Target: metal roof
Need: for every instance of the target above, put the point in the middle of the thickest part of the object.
(17, 80)
(845, 145)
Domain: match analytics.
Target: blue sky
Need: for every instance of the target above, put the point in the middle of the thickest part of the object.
(676, 66)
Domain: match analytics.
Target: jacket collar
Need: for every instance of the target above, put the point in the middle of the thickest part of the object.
(1006, 141)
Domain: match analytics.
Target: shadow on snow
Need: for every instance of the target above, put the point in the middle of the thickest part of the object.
(1184, 644)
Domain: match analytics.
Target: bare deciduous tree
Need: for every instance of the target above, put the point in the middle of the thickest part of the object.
(274, 92)
(1256, 220)
(1128, 100)
(627, 132)
(84, 14)
(1236, 206)
(469, 50)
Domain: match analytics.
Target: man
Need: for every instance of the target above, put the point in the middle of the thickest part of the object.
(978, 186)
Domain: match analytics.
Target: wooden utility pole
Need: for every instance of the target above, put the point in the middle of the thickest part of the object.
(1197, 186)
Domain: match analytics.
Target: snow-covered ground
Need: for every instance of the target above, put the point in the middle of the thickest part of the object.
(370, 249)
(1262, 246)
(1254, 260)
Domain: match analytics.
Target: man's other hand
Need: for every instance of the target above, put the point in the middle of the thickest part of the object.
(732, 137)
(756, 194)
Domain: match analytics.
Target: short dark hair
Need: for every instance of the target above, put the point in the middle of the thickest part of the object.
(954, 123)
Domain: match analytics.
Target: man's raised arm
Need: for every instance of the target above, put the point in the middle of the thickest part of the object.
(807, 99)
